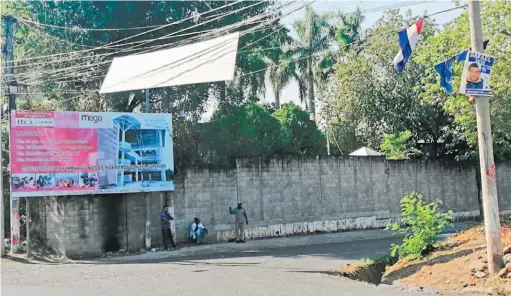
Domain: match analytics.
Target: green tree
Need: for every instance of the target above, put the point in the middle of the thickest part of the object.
(376, 100)
(315, 37)
(281, 69)
(69, 80)
(306, 139)
(397, 146)
(461, 135)
(243, 131)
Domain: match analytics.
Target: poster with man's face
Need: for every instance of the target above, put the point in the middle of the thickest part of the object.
(475, 80)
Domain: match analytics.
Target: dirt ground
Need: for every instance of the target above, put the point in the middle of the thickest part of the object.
(457, 265)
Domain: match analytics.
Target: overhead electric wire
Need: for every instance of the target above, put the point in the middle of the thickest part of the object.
(134, 36)
(191, 33)
(103, 54)
(76, 28)
(208, 21)
(254, 72)
(42, 32)
(243, 23)
(239, 24)
(194, 56)
(109, 54)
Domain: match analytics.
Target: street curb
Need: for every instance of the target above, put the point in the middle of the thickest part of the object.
(267, 244)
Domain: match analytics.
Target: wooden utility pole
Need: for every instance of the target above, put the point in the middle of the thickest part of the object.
(488, 178)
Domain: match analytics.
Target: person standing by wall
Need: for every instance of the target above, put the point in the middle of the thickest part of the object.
(239, 222)
(166, 233)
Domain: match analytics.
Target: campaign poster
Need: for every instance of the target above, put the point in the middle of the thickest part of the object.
(76, 153)
(475, 80)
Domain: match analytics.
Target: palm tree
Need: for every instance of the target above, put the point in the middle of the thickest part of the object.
(314, 38)
(281, 69)
(349, 30)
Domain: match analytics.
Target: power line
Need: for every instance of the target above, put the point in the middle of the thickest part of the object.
(245, 32)
(174, 33)
(76, 28)
(131, 37)
(254, 72)
(444, 11)
(103, 54)
(40, 32)
(208, 21)
(220, 29)
(243, 23)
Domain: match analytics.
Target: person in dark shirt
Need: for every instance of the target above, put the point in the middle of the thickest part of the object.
(474, 80)
(166, 233)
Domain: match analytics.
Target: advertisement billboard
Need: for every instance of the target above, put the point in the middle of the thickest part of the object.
(76, 153)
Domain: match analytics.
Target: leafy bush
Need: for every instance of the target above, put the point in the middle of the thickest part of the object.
(305, 137)
(420, 223)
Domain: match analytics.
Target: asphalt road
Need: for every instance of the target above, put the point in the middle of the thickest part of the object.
(296, 271)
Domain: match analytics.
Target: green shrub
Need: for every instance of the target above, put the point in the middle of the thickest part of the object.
(420, 223)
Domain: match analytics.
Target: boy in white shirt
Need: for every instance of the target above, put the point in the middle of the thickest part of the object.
(198, 232)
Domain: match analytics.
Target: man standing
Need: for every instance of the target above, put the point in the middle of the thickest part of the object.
(166, 233)
(239, 222)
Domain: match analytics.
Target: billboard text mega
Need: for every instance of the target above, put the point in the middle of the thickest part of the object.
(72, 153)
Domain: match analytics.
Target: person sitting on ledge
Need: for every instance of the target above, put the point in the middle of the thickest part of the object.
(198, 232)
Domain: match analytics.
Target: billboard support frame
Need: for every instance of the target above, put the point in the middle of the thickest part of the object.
(147, 194)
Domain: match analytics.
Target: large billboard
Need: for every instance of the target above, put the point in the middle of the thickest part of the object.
(75, 153)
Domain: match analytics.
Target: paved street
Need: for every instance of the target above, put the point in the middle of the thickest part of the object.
(293, 271)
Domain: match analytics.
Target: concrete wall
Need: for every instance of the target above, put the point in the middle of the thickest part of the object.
(282, 197)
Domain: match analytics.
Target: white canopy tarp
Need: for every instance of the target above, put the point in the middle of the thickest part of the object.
(207, 61)
(364, 151)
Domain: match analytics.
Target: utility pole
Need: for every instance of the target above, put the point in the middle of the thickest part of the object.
(11, 83)
(147, 194)
(488, 180)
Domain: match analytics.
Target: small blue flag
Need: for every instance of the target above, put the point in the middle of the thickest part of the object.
(445, 71)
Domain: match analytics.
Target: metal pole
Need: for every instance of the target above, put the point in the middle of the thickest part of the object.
(29, 224)
(328, 133)
(147, 194)
(9, 66)
(488, 180)
(327, 139)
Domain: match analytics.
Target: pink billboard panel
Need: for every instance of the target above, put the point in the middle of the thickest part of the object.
(73, 153)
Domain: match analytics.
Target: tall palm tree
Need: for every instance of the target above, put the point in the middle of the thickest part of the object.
(281, 69)
(315, 36)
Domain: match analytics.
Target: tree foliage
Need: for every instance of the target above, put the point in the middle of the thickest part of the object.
(76, 59)
(396, 146)
(244, 131)
(306, 139)
(375, 100)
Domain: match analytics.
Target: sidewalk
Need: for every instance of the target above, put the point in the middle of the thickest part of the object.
(265, 244)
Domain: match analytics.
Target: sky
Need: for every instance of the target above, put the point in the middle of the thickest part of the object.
(372, 10)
